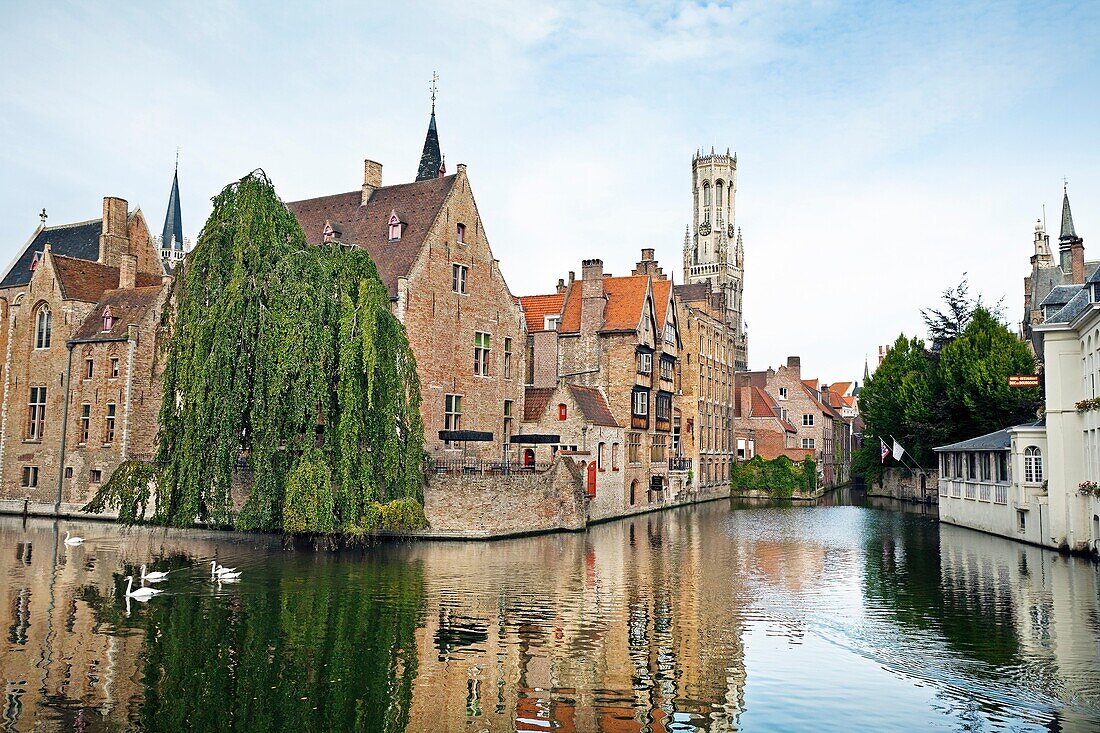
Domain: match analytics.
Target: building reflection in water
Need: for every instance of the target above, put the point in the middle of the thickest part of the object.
(694, 619)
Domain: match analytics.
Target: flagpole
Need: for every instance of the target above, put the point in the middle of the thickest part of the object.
(906, 453)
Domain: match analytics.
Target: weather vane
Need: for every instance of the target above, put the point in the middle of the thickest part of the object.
(1065, 184)
(435, 78)
(43, 216)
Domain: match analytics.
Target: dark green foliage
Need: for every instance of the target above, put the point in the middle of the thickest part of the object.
(780, 477)
(924, 399)
(271, 339)
(127, 491)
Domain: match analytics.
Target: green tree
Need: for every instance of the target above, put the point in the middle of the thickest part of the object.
(974, 369)
(286, 357)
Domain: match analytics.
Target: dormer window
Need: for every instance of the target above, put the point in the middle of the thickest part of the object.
(329, 233)
(550, 323)
(460, 234)
(395, 227)
(1096, 292)
(108, 319)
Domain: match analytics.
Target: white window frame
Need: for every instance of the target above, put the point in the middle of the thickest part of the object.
(459, 277)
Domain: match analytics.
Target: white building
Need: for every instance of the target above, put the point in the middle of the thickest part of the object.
(997, 483)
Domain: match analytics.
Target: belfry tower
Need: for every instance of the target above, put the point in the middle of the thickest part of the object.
(713, 249)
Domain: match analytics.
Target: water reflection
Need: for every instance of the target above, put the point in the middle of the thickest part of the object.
(721, 617)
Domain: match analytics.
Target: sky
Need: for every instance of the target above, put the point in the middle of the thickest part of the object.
(884, 149)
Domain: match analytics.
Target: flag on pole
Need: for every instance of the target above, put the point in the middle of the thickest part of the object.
(885, 450)
(898, 450)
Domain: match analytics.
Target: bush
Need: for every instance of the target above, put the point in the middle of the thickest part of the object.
(780, 477)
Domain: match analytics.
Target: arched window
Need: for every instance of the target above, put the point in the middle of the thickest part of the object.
(43, 327)
(460, 234)
(718, 193)
(1033, 465)
(706, 196)
(599, 457)
(395, 227)
(108, 319)
(529, 458)
(633, 491)
(562, 412)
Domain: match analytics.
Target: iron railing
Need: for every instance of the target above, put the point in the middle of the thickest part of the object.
(679, 464)
(473, 466)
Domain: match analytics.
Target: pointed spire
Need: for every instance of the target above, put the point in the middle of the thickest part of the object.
(866, 372)
(172, 237)
(431, 160)
(1068, 232)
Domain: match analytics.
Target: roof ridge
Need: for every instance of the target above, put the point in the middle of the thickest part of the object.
(98, 220)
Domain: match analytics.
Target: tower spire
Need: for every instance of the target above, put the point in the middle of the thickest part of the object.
(1068, 232)
(172, 236)
(431, 160)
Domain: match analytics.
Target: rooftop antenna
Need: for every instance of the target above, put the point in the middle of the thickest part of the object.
(435, 78)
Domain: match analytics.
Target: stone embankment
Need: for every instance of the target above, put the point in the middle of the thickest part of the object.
(905, 485)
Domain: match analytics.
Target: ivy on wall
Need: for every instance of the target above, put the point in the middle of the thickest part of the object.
(284, 364)
(780, 477)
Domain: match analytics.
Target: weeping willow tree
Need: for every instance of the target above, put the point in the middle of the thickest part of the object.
(284, 359)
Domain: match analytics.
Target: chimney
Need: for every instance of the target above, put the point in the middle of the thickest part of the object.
(647, 254)
(794, 363)
(114, 241)
(561, 285)
(372, 179)
(127, 271)
(1077, 262)
(648, 265)
(462, 169)
(592, 297)
(572, 277)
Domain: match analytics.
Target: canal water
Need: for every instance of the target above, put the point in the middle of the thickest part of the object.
(719, 617)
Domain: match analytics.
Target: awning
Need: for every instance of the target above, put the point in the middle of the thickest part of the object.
(535, 439)
(462, 436)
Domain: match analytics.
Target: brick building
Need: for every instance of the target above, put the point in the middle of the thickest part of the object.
(81, 305)
(708, 366)
(820, 429)
(432, 252)
(761, 427)
(619, 335)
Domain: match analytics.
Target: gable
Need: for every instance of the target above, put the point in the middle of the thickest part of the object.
(79, 241)
(417, 205)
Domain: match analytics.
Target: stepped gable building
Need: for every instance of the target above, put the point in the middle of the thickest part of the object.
(1053, 282)
(464, 326)
(714, 252)
(81, 306)
(620, 337)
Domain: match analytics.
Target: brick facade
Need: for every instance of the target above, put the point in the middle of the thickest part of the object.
(85, 362)
(446, 287)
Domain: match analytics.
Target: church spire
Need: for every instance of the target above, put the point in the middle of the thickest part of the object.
(172, 237)
(1068, 232)
(431, 160)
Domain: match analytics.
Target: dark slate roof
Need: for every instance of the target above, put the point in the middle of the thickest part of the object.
(1060, 295)
(416, 204)
(535, 401)
(999, 440)
(173, 219)
(1093, 277)
(593, 406)
(128, 306)
(1075, 307)
(87, 281)
(1068, 232)
(79, 240)
(431, 160)
(693, 291)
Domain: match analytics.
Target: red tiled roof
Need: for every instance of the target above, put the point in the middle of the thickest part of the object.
(87, 281)
(416, 204)
(811, 383)
(537, 307)
(764, 406)
(625, 297)
(593, 406)
(826, 409)
(535, 402)
(841, 388)
(128, 306)
(661, 292)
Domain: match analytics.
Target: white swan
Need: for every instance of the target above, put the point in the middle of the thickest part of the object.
(155, 576)
(141, 594)
(73, 540)
(219, 572)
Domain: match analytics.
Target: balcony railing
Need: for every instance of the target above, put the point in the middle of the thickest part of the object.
(471, 466)
(679, 464)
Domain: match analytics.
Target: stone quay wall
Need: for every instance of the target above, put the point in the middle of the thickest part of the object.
(898, 483)
(480, 506)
